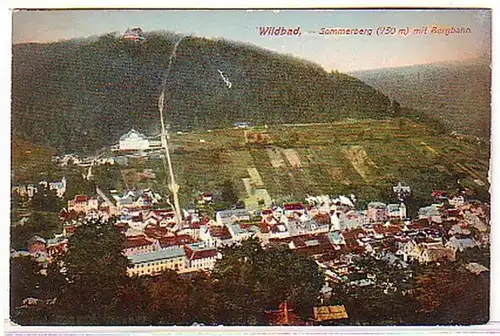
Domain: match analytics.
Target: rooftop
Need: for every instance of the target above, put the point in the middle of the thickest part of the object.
(157, 255)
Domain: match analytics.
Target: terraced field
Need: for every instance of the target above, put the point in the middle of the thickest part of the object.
(361, 157)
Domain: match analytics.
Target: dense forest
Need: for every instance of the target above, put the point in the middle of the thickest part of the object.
(83, 94)
(457, 93)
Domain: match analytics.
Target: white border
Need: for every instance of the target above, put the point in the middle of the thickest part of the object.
(5, 21)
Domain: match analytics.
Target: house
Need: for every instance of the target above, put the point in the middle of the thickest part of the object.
(175, 241)
(37, 245)
(25, 190)
(82, 204)
(278, 231)
(57, 246)
(59, 187)
(427, 251)
(476, 268)
(207, 197)
(393, 260)
(242, 124)
(226, 217)
(201, 257)
(396, 211)
(348, 220)
(277, 211)
(155, 262)
(215, 236)
(431, 212)
(237, 232)
(460, 244)
(457, 201)
(133, 141)
(140, 244)
(68, 230)
(336, 238)
(285, 316)
(292, 208)
(327, 313)
(377, 212)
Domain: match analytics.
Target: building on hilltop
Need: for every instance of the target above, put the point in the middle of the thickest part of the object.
(133, 141)
(134, 34)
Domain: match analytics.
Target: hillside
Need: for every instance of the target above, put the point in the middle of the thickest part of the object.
(29, 162)
(83, 94)
(292, 161)
(456, 93)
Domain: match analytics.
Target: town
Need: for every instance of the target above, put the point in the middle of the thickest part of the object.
(331, 229)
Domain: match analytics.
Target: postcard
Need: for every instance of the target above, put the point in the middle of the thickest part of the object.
(246, 167)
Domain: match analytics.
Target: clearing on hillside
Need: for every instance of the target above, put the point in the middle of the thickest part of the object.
(275, 157)
(255, 176)
(360, 161)
(292, 157)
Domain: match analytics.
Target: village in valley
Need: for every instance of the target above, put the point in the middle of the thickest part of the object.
(270, 192)
(333, 230)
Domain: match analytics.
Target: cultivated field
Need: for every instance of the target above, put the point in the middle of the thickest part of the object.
(361, 157)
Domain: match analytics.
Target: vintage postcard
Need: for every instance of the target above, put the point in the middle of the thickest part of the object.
(250, 167)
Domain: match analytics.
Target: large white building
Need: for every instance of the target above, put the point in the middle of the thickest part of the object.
(133, 140)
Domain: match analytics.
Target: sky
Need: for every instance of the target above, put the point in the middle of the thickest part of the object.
(345, 53)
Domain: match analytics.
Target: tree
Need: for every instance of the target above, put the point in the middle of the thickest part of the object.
(45, 200)
(132, 302)
(449, 294)
(229, 194)
(250, 279)
(203, 301)
(386, 301)
(167, 295)
(96, 271)
(238, 283)
(24, 280)
(43, 224)
(291, 277)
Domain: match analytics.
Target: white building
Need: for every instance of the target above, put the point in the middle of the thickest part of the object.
(226, 217)
(201, 257)
(133, 140)
(397, 211)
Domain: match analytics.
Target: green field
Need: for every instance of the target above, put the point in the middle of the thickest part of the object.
(361, 157)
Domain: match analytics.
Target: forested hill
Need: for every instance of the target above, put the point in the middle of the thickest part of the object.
(457, 93)
(83, 94)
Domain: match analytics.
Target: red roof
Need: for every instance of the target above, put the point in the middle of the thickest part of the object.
(137, 219)
(195, 225)
(293, 206)
(137, 242)
(193, 254)
(220, 232)
(70, 229)
(353, 233)
(204, 220)
(81, 198)
(155, 231)
(322, 218)
(179, 240)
